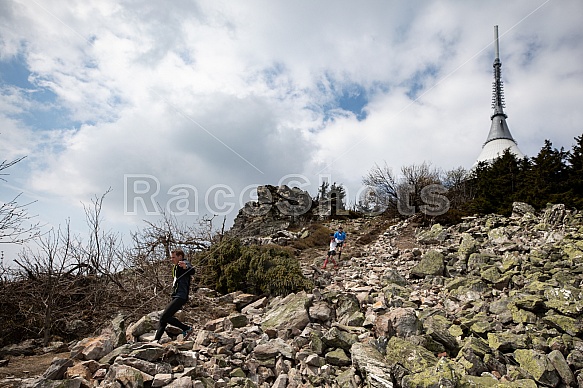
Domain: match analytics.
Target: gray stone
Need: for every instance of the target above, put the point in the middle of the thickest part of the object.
(337, 357)
(348, 310)
(273, 349)
(162, 380)
(182, 382)
(372, 365)
(413, 357)
(431, 264)
(335, 338)
(468, 245)
(538, 366)
(142, 326)
(437, 234)
(392, 276)
(290, 312)
(520, 209)
(280, 381)
(320, 311)
(402, 322)
(437, 326)
(515, 281)
(558, 360)
(119, 331)
(57, 369)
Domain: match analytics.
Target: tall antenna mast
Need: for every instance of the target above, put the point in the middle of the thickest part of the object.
(497, 86)
(497, 45)
(499, 137)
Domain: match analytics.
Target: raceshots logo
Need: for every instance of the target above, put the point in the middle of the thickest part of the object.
(143, 196)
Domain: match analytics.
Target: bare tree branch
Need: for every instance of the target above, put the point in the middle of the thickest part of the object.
(15, 225)
(102, 254)
(6, 164)
(384, 183)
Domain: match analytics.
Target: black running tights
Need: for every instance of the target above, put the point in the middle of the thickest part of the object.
(168, 317)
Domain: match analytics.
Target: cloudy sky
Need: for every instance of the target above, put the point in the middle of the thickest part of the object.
(190, 104)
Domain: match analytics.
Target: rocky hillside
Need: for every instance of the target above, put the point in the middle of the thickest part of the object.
(491, 302)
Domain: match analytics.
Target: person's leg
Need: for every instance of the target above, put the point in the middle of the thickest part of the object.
(167, 317)
(325, 261)
(175, 322)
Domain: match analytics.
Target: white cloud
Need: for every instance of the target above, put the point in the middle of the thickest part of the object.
(240, 93)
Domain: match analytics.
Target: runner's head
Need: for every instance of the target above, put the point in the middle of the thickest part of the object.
(177, 255)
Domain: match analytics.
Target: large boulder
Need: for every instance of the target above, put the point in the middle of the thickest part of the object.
(290, 312)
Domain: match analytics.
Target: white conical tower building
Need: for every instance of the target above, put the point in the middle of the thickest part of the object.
(499, 138)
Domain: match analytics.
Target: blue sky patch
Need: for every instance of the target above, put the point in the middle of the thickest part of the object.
(271, 75)
(44, 112)
(14, 72)
(418, 82)
(343, 99)
(48, 117)
(354, 99)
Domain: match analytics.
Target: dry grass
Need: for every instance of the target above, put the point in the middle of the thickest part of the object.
(318, 237)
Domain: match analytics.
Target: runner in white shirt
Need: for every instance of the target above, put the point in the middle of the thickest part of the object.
(331, 252)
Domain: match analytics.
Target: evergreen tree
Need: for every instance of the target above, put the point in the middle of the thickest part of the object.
(545, 180)
(495, 185)
(574, 172)
(323, 192)
(338, 194)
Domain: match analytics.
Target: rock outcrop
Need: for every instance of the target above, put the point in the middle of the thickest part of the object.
(491, 302)
(276, 209)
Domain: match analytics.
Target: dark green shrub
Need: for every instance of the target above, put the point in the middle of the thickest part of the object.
(274, 270)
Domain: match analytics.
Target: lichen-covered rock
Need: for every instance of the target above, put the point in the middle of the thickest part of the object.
(446, 374)
(553, 215)
(567, 300)
(412, 357)
(127, 376)
(392, 276)
(437, 234)
(499, 236)
(142, 326)
(118, 331)
(507, 341)
(468, 245)
(289, 312)
(273, 349)
(348, 310)
(538, 366)
(520, 209)
(347, 379)
(237, 320)
(437, 326)
(335, 338)
(276, 208)
(320, 311)
(431, 264)
(338, 357)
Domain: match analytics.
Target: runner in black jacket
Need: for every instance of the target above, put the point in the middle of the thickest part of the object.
(182, 272)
